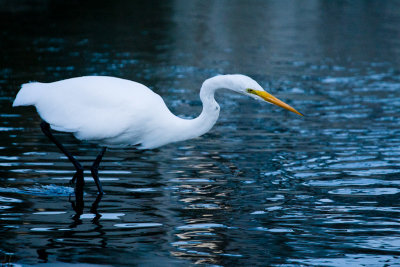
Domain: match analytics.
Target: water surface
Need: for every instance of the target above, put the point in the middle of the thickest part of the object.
(264, 187)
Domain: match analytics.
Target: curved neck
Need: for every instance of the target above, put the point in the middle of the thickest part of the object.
(210, 113)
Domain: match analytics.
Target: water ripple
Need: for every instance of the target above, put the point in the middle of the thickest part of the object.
(138, 225)
(263, 187)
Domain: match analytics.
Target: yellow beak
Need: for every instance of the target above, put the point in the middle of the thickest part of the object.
(272, 99)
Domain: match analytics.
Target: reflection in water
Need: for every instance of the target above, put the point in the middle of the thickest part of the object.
(263, 187)
(202, 203)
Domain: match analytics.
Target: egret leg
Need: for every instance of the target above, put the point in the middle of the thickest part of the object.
(79, 169)
(95, 170)
(78, 203)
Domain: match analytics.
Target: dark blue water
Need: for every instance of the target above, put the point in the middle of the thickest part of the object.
(264, 187)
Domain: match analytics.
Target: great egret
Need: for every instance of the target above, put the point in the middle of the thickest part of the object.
(113, 112)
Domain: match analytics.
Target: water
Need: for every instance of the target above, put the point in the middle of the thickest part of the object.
(264, 187)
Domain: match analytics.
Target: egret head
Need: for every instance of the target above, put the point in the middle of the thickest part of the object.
(247, 86)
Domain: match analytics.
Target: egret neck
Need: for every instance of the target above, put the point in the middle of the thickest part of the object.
(191, 128)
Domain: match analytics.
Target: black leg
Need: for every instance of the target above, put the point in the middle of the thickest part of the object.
(78, 204)
(79, 169)
(93, 210)
(95, 170)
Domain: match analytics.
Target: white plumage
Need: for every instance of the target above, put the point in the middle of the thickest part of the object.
(107, 110)
(114, 112)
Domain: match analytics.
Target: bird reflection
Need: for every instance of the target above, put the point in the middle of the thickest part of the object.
(93, 210)
(78, 204)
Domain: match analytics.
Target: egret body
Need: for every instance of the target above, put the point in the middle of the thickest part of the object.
(116, 112)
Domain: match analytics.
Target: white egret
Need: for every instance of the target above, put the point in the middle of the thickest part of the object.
(113, 112)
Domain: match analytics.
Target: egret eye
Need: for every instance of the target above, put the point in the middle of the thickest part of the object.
(251, 91)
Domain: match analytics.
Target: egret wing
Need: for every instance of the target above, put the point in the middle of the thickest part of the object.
(94, 107)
